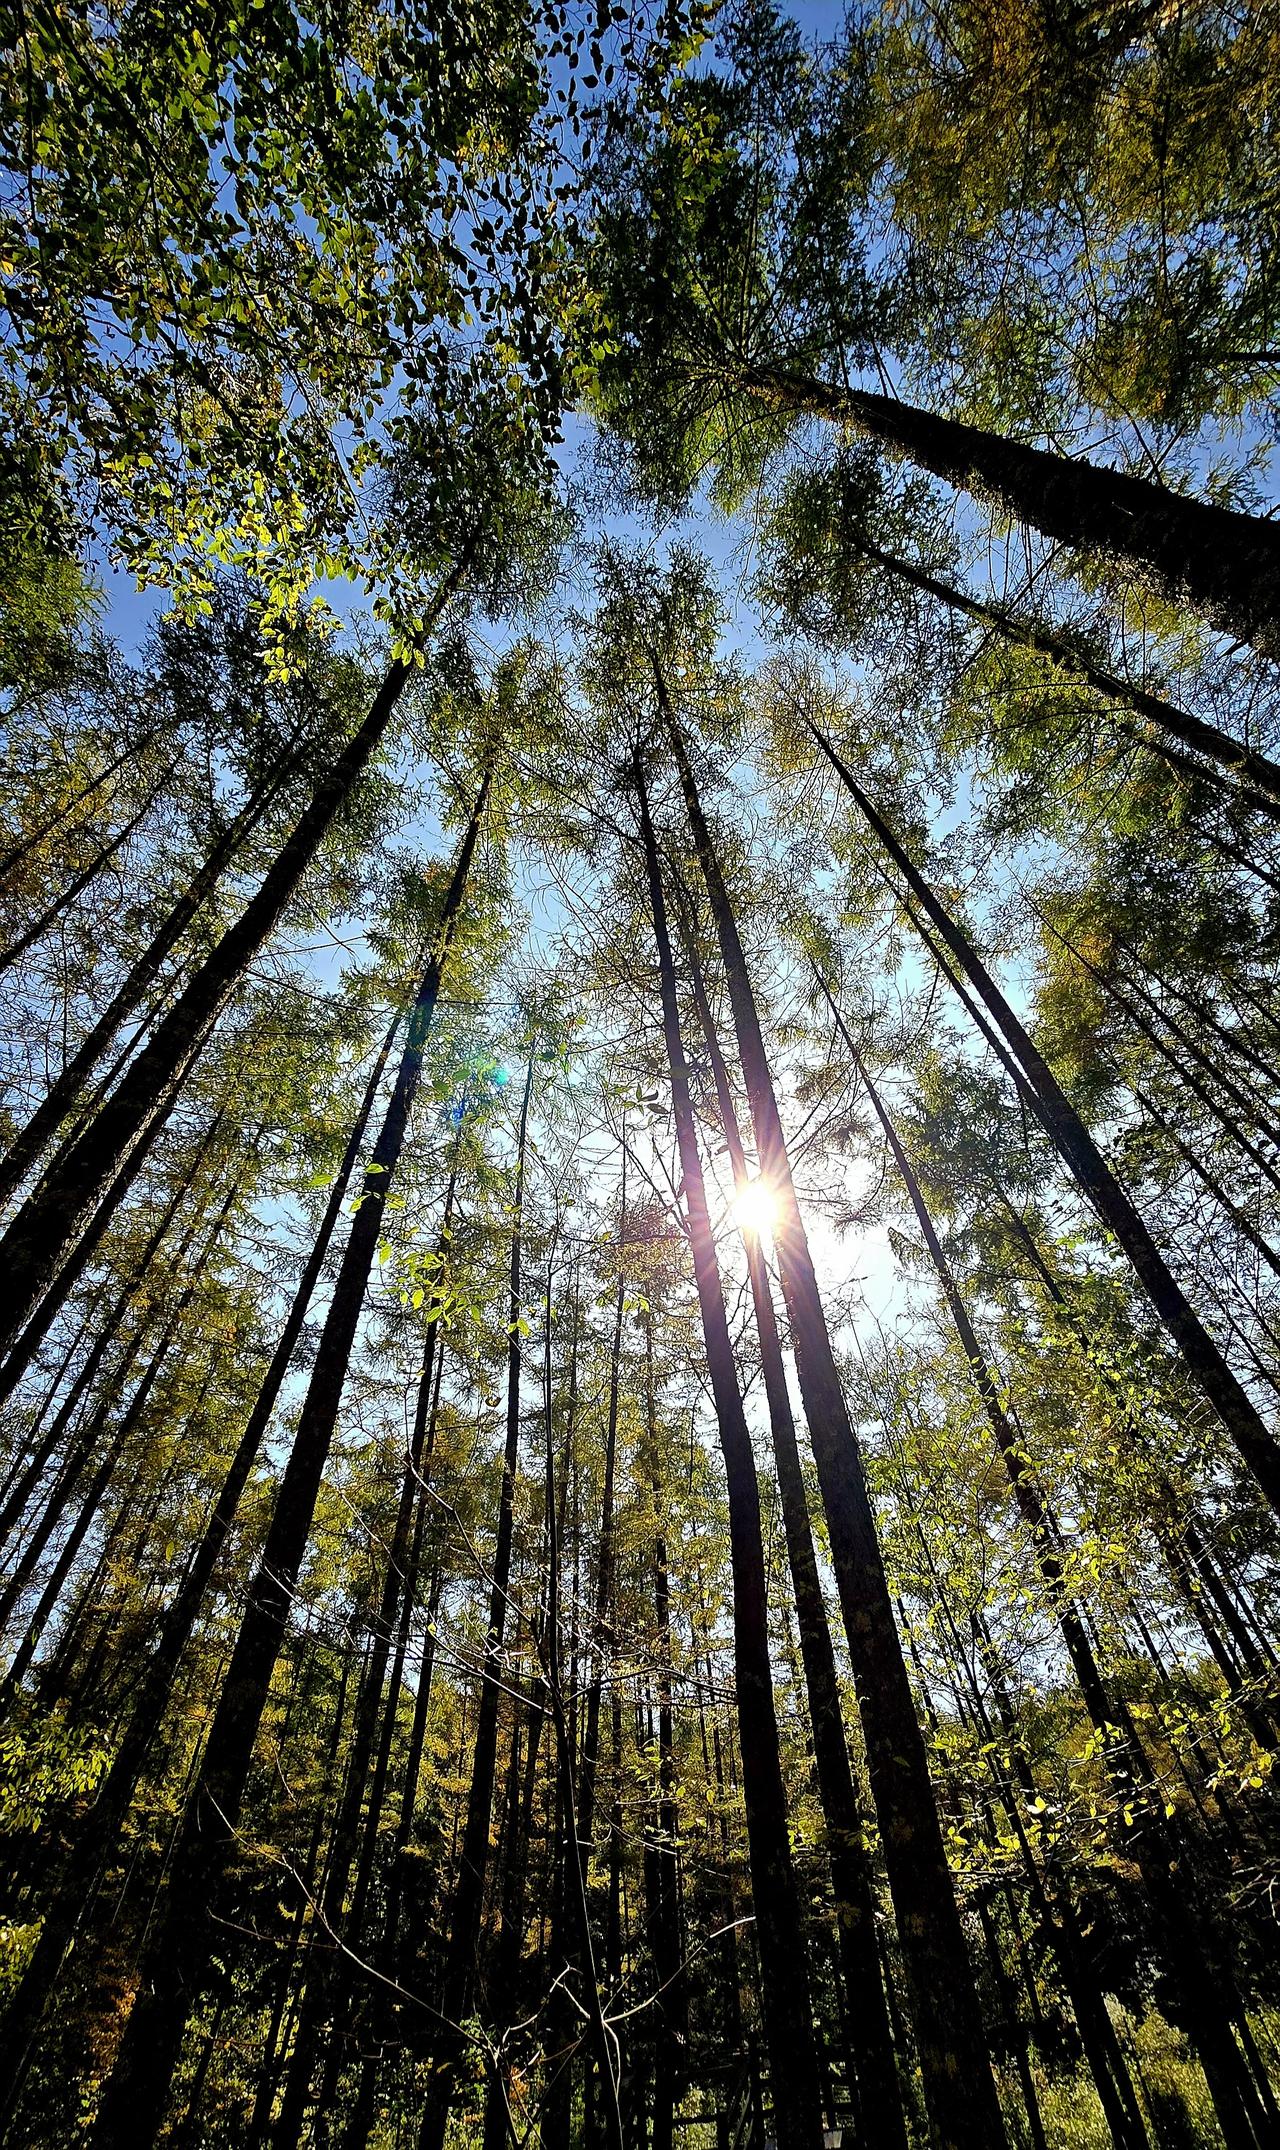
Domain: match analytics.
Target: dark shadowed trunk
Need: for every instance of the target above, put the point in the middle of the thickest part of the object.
(1223, 564)
(950, 2036)
(102, 1823)
(874, 2072)
(1080, 1153)
(468, 1895)
(784, 1982)
(83, 880)
(107, 1156)
(1187, 1942)
(133, 2103)
(65, 1096)
(1243, 761)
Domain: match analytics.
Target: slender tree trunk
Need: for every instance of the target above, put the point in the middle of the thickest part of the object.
(1209, 1180)
(110, 1152)
(1250, 766)
(102, 1823)
(1177, 1534)
(513, 1865)
(1185, 1938)
(1065, 1128)
(17, 852)
(575, 1874)
(875, 2078)
(405, 1560)
(468, 1895)
(605, 1556)
(22, 1488)
(66, 1093)
(134, 2100)
(326, 1980)
(273, 2053)
(1242, 1099)
(64, 1488)
(1224, 565)
(83, 880)
(785, 2005)
(951, 2040)
(664, 1920)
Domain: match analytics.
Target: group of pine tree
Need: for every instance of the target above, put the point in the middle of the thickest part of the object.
(640, 968)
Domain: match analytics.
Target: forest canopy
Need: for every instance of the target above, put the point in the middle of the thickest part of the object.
(640, 1134)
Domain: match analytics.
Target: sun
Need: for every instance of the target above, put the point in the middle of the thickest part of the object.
(755, 1210)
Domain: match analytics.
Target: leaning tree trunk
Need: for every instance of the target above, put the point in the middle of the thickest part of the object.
(104, 1819)
(1080, 1153)
(605, 1554)
(69, 1203)
(473, 1864)
(92, 1496)
(1166, 717)
(574, 1877)
(133, 2103)
(65, 1096)
(1224, 565)
(24, 1482)
(1187, 1942)
(874, 2071)
(326, 1980)
(84, 879)
(28, 843)
(951, 2039)
(785, 2004)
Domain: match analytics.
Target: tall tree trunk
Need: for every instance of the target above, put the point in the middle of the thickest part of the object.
(24, 1485)
(874, 2072)
(66, 1093)
(468, 1895)
(1225, 565)
(65, 1485)
(1080, 1153)
(83, 880)
(134, 2100)
(664, 1921)
(785, 2005)
(326, 1979)
(102, 1823)
(605, 1554)
(1186, 1940)
(17, 852)
(406, 1559)
(1144, 1022)
(1243, 761)
(69, 1202)
(959, 2089)
(578, 1919)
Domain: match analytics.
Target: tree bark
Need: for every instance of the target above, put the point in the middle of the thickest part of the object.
(468, 1895)
(874, 2072)
(785, 2004)
(1243, 761)
(102, 1823)
(111, 1150)
(1223, 564)
(20, 850)
(65, 1095)
(133, 2102)
(1076, 1146)
(1187, 1943)
(83, 880)
(951, 2039)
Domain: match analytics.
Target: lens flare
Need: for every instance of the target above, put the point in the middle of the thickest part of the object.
(755, 1210)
